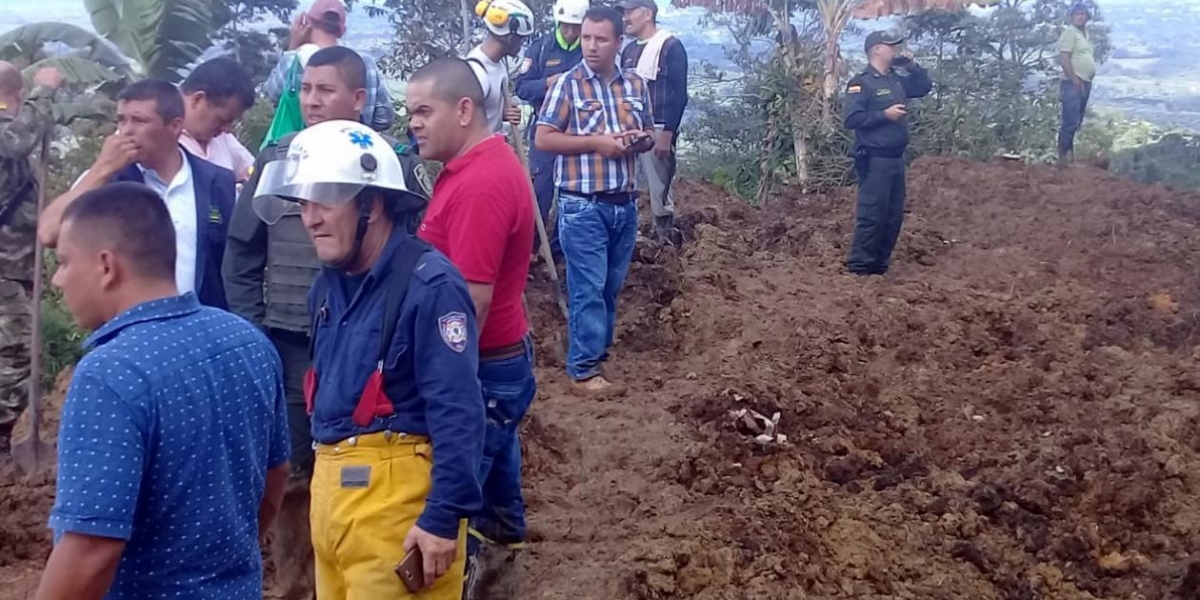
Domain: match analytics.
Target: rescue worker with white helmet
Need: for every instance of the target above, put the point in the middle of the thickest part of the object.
(397, 411)
(509, 23)
(546, 58)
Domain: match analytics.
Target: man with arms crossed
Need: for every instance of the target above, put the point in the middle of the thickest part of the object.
(173, 444)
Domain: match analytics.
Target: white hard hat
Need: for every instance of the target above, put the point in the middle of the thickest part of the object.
(330, 163)
(570, 12)
(506, 17)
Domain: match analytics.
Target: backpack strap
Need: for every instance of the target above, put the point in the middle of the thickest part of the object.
(404, 263)
(320, 289)
(487, 91)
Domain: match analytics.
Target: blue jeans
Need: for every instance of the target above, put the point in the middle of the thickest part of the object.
(597, 241)
(1074, 105)
(508, 389)
(542, 166)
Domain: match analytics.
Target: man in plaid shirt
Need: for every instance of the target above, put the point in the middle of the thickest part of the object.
(597, 119)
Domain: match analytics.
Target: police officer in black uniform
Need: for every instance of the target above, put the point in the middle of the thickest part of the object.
(876, 109)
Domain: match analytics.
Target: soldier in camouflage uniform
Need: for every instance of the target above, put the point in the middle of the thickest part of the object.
(268, 270)
(24, 122)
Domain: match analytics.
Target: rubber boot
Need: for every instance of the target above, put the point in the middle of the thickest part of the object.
(291, 546)
(495, 573)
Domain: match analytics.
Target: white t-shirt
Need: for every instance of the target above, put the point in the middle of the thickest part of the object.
(494, 79)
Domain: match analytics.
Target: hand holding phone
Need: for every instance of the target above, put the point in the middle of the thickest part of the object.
(411, 571)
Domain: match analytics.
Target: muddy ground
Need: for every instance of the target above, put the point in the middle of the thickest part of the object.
(1010, 414)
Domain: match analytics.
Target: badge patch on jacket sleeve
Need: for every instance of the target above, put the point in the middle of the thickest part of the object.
(453, 327)
(854, 89)
(526, 65)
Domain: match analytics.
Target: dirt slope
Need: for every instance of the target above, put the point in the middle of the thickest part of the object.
(1010, 414)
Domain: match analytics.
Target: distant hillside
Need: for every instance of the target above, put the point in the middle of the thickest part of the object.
(1171, 160)
(1152, 75)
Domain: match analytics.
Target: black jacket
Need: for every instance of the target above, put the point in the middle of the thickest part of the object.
(214, 189)
(872, 92)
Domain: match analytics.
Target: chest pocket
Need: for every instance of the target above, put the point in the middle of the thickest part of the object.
(589, 116)
(884, 95)
(630, 114)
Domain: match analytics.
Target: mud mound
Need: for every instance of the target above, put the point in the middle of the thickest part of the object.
(1011, 414)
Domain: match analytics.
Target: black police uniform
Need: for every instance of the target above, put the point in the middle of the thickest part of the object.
(879, 160)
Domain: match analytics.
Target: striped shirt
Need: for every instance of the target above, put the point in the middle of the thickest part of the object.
(581, 104)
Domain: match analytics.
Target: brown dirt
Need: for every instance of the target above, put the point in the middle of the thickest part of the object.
(1010, 414)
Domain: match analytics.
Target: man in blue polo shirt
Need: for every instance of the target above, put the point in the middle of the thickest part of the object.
(173, 449)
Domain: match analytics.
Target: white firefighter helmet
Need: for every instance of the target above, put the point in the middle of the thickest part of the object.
(570, 12)
(330, 163)
(506, 17)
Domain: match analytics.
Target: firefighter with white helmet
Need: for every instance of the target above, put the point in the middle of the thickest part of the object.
(397, 412)
(546, 58)
(509, 23)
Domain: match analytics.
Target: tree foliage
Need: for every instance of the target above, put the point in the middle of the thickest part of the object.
(429, 29)
(255, 48)
(162, 37)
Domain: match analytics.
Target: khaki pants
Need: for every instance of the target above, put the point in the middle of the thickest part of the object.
(359, 522)
(659, 173)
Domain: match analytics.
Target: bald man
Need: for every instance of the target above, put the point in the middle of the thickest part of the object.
(481, 217)
(24, 122)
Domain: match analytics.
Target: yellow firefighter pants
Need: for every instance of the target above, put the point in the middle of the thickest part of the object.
(367, 492)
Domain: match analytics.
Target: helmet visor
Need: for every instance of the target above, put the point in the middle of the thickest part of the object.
(278, 192)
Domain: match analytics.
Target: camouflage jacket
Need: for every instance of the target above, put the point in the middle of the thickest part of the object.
(21, 132)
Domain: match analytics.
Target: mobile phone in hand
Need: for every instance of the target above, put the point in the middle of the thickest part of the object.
(411, 570)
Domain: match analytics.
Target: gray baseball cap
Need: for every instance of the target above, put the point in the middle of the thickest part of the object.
(890, 38)
(632, 4)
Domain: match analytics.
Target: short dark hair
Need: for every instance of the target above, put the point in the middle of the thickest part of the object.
(453, 78)
(606, 14)
(350, 65)
(221, 79)
(133, 221)
(168, 102)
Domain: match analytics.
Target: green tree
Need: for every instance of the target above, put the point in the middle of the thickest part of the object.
(162, 37)
(996, 78)
(255, 48)
(435, 29)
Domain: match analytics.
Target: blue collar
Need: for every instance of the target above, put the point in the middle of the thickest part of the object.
(154, 310)
(378, 271)
(588, 73)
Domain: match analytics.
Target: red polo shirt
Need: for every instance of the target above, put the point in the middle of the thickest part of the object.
(481, 216)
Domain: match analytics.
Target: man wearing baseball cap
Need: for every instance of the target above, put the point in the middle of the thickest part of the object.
(322, 26)
(1077, 56)
(876, 109)
(658, 57)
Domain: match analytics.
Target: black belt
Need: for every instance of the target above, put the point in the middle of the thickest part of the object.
(607, 197)
(505, 352)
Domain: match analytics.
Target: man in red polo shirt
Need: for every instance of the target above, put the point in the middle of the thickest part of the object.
(481, 216)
